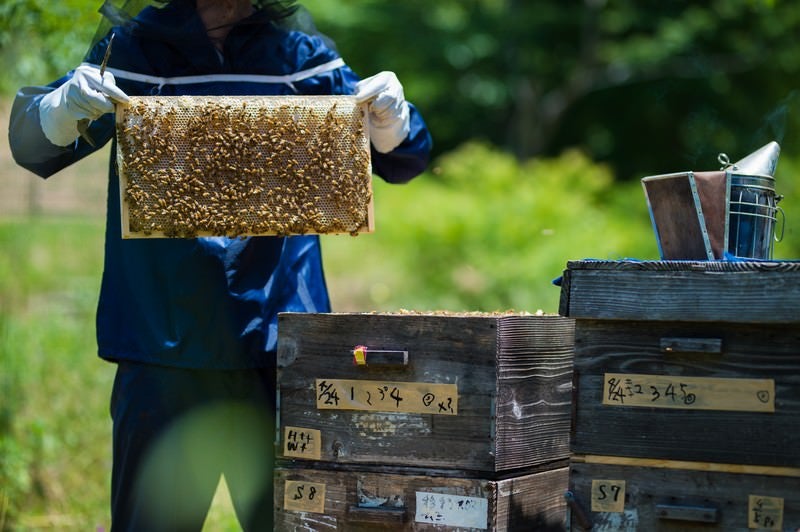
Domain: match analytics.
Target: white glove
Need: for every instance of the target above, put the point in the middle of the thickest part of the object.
(86, 95)
(388, 110)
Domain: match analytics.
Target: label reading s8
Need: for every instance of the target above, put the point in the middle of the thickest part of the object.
(302, 496)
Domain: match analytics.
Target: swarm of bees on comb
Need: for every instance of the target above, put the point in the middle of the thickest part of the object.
(239, 166)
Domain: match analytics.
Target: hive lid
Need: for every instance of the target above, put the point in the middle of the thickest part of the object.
(682, 291)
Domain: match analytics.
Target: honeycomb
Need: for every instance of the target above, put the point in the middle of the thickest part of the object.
(243, 166)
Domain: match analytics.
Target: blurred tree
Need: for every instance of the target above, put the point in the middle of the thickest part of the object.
(42, 39)
(645, 86)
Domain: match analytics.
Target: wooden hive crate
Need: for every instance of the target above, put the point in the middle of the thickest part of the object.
(621, 495)
(243, 165)
(680, 360)
(486, 393)
(368, 500)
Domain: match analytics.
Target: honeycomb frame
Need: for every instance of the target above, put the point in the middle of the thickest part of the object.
(234, 166)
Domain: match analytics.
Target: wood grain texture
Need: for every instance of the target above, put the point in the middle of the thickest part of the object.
(534, 365)
(533, 502)
(712, 291)
(697, 500)
(513, 375)
(748, 352)
(685, 265)
(660, 463)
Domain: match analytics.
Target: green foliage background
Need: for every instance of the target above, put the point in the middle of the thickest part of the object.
(545, 115)
(40, 39)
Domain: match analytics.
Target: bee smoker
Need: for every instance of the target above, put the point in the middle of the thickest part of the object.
(753, 204)
(714, 215)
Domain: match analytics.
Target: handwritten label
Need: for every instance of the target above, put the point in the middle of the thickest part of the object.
(765, 513)
(302, 443)
(608, 496)
(381, 396)
(301, 496)
(452, 510)
(696, 393)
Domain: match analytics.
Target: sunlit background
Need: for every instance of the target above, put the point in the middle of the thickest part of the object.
(545, 117)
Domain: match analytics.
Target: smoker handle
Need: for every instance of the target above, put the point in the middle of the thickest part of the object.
(364, 356)
(377, 514)
(783, 222)
(674, 345)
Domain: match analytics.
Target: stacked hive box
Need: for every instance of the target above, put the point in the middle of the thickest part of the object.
(416, 421)
(687, 395)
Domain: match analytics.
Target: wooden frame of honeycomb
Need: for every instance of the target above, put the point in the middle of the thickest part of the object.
(243, 166)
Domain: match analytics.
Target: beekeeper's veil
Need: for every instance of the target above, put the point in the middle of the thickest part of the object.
(285, 13)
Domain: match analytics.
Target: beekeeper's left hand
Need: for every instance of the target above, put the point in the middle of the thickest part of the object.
(388, 110)
(86, 95)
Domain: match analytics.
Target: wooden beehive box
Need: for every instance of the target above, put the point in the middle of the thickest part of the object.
(680, 360)
(476, 392)
(364, 501)
(670, 496)
(243, 165)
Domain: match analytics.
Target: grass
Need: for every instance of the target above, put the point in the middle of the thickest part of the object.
(56, 389)
(57, 448)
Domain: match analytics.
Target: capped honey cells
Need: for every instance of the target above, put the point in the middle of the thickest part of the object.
(239, 166)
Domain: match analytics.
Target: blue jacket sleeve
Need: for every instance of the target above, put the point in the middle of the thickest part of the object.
(410, 158)
(400, 165)
(31, 149)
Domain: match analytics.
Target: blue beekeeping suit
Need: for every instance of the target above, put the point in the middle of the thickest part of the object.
(172, 309)
(206, 302)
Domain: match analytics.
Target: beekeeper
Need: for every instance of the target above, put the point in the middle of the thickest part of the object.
(192, 323)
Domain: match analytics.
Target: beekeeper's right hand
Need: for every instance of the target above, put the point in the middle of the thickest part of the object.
(388, 110)
(87, 95)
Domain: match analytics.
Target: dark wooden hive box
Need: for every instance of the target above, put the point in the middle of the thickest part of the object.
(682, 360)
(664, 496)
(364, 501)
(487, 393)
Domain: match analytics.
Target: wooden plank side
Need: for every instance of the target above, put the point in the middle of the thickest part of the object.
(737, 297)
(563, 299)
(533, 502)
(535, 359)
(675, 500)
(686, 265)
(749, 352)
(367, 500)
